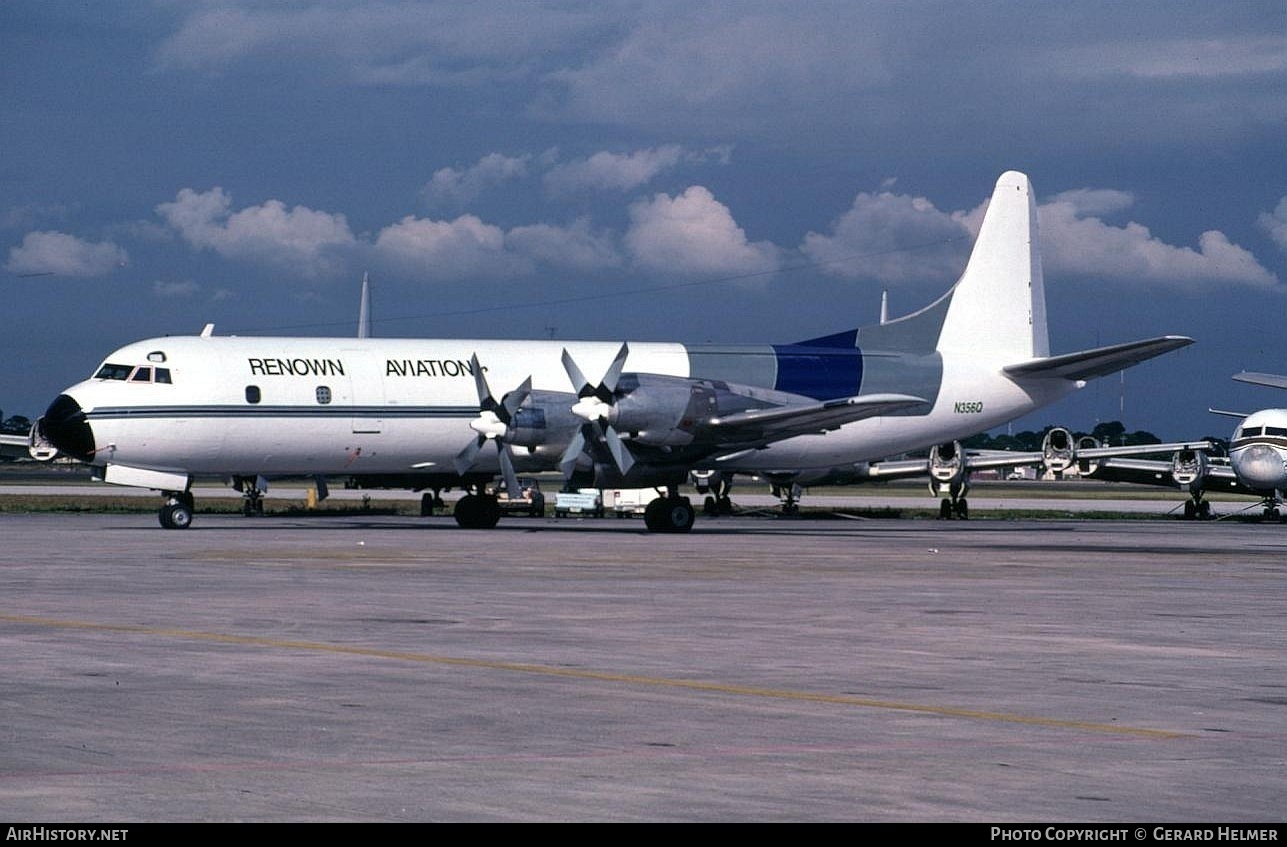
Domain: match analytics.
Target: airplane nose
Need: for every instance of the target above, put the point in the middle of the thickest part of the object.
(1260, 467)
(65, 427)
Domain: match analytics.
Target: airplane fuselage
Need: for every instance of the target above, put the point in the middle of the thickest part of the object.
(277, 406)
(1258, 451)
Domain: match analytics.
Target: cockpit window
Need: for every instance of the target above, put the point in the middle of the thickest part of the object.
(1249, 431)
(130, 373)
(110, 371)
(1276, 430)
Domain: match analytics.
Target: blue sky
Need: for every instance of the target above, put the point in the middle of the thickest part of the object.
(729, 172)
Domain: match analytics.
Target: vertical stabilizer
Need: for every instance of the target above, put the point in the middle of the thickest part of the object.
(364, 310)
(998, 307)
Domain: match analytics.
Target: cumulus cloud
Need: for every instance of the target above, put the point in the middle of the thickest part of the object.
(468, 247)
(64, 255)
(450, 186)
(1275, 224)
(1076, 244)
(893, 238)
(605, 171)
(574, 247)
(464, 247)
(693, 234)
(307, 241)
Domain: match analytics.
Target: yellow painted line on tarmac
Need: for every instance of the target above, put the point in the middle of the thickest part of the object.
(599, 676)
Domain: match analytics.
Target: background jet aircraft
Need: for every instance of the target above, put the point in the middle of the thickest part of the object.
(1256, 465)
(424, 412)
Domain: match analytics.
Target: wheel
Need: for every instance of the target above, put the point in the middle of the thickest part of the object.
(724, 505)
(670, 514)
(1190, 510)
(1204, 510)
(679, 515)
(963, 509)
(175, 516)
(475, 511)
(945, 510)
(426, 505)
(709, 508)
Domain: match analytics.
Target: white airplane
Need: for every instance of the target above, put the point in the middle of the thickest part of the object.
(419, 412)
(1256, 465)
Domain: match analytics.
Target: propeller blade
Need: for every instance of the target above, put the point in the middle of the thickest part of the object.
(568, 463)
(609, 381)
(579, 382)
(514, 399)
(620, 452)
(507, 470)
(465, 458)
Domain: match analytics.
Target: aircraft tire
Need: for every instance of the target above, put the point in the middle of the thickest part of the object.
(962, 509)
(176, 516)
(709, 507)
(670, 514)
(477, 512)
(945, 510)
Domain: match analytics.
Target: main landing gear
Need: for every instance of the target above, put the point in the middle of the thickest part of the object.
(477, 510)
(671, 513)
(252, 491)
(953, 504)
(176, 512)
(1197, 509)
(790, 496)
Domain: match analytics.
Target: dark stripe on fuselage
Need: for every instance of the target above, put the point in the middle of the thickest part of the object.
(170, 412)
(822, 368)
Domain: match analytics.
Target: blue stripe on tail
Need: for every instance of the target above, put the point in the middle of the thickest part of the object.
(822, 368)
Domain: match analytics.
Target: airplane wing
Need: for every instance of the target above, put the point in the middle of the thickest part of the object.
(978, 460)
(13, 446)
(1268, 380)
(1217, 477)
(1089, 364)
(775, 424)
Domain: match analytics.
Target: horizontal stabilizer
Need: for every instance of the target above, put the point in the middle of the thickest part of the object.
(1268, 380)
(1089, 364)
(786, 421)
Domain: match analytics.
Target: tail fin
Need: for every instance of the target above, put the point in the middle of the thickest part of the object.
(998, 307)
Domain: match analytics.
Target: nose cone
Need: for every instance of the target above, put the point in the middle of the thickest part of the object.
(1260, 467)
(65, 427)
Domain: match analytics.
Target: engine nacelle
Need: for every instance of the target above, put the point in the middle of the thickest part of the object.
(1189, 467)
(39, 447)
(1057, 452)
(1087, 467)
(545, 418)
(947, 462)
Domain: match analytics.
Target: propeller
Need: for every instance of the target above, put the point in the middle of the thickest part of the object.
(594, 403)
(493, 424)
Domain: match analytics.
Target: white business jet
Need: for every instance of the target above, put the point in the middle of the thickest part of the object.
(1256, 465)
(424, 412)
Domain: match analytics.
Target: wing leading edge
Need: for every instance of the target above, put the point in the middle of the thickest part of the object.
(764, 425)
(1088, 364)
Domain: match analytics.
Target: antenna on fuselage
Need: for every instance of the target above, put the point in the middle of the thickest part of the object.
(364, 310)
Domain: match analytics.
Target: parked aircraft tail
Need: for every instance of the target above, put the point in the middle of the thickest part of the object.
(998, 306)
